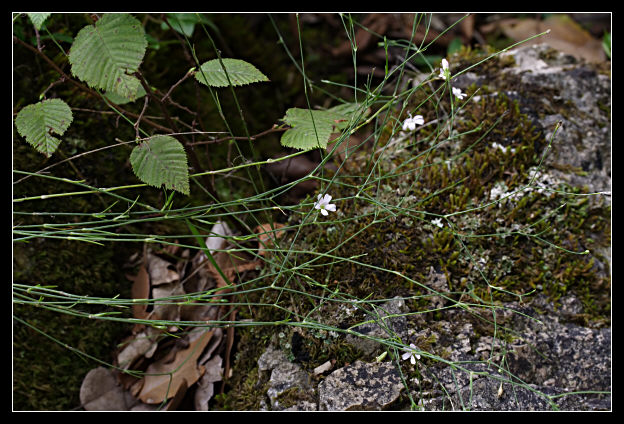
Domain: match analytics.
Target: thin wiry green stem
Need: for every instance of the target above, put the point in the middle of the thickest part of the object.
(287, 267)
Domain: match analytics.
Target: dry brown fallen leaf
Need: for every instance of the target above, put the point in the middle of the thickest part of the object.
(140, 290)
(565, 35)
(205, 385)
(217, 239)
(177, 399)
(215, 341)
(267, 234)
(163, 379)
(143, 343)
(181, 265)
(166, 309)
(160, 271)
(230, 264)
(100, 392)
(181, 367)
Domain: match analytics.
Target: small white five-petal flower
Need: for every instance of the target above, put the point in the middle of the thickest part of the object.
(458, 93)
(323, 204)
(438, 222)
(445, 73)
(411, 354)
(411, 122)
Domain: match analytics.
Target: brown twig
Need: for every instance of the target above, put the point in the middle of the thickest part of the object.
(39, 47)
(85, 88)
(173, 87)
(274, 128)
(158, 101)
(75, 157)
(138, 121)
(192, 155)
(52, 84)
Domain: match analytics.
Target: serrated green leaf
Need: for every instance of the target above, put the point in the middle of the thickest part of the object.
(240, 73)
(311, 129)
(38, 19)
(161, 160)
(304, 137)
(37, 122)
(119, 100)
(105, 54)
(348, 111)
(297, 116)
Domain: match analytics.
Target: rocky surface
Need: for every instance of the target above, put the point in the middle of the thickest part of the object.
(548, 352)
(360, 386)
(583, 142)
(389, 324)
(284, 375)
(551, 356)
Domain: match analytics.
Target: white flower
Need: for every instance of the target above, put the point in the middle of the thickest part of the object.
(411, 354)
(503, 148)
(445, 73)
(410, 123)
(324, 205)
(458, 93)
(498, 146)
(438, 222)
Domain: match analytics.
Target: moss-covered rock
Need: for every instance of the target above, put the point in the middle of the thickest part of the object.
(519, 219)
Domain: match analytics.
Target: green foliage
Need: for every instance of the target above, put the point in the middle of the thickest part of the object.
(120, 100)
(38, 19)
(37, 122)
(408, 176)
(311, 129)
(161, 160)
(238, 71)
(105, 55)
(348, 112)
(184, 23)
(454, 46)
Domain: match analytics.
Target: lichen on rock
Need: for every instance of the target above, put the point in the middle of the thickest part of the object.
(500, 296)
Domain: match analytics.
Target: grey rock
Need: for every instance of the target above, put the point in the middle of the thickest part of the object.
(271, 358)
(584, 140)
(550, 356)
(490, 395)
(360, 386)
(285, 375)
(560, 354)
(545, 355)
(386, 326)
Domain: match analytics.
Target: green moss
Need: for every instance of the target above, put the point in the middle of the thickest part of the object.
(502, 239)
(246, 395)
(518, 263)
(246, 388)
(47, 376)
(292, 396)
